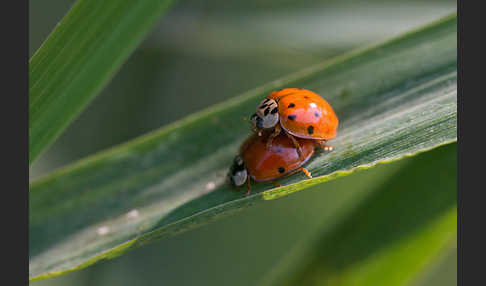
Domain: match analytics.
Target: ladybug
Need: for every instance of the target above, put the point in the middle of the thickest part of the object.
(300, 112)
(262, 163)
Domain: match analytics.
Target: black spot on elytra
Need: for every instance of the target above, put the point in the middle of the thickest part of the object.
(266, 100)
(316, 114)
(274, 110)
(306, 97)
(266, 111)
(291, 105)
(281, 170)
(310, 129)
(263, 106)
(292, 117)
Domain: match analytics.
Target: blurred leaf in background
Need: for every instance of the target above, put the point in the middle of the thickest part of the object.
(78, 59)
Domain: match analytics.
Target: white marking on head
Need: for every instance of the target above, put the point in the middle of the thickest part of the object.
(239, 178)
(238, 173)
(267, 114)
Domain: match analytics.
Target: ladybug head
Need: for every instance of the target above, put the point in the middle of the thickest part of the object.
(266, 115)
(238, 173)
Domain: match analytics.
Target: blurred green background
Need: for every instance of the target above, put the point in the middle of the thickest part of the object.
(204, 52)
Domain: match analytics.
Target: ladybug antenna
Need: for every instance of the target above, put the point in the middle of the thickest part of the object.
(244, 118)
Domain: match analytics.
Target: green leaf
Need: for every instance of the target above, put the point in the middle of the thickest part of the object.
(393, 100)
(79, 58)
(391, 238)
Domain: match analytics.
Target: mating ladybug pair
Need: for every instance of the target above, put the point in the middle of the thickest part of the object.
(287, 125)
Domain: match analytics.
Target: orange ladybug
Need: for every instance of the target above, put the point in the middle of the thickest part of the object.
(300, 112)
(261, 162)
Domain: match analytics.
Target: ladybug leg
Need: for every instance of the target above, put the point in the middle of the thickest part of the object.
(306, 172)
(248, 188)
(274, 134)
(276, 184)
(322, 144)
(296, 144)
(259, 132)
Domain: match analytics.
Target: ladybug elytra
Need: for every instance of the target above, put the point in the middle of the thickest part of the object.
(261, 162)
(300, 112)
